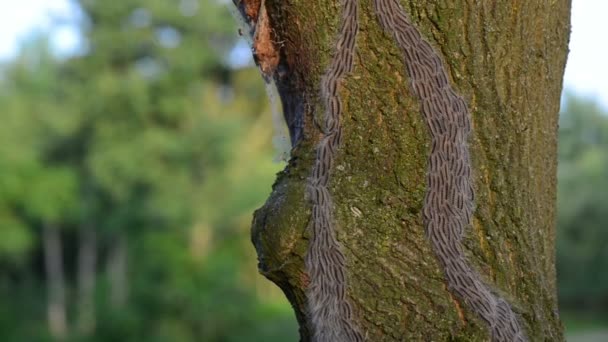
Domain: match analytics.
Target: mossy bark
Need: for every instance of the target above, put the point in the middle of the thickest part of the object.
(507, 59)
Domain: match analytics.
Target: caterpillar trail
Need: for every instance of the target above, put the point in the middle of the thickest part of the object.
(449, 201)
(330, 313)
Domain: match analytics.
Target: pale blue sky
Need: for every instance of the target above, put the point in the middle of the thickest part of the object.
(586, 71)
(18, 18)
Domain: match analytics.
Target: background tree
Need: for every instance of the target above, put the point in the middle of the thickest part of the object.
(582, 208)
(127, 181)
(508, 64)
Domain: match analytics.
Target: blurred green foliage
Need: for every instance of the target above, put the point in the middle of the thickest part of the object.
(582, 255)
(147, 137)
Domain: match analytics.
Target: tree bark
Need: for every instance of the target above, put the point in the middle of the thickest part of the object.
(53, 262)
(117, 272)
(506, 59)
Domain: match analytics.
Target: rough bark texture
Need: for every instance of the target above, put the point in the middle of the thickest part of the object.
(507, 59)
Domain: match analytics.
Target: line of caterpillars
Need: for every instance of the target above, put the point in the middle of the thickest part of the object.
(449, 201)
(329, 311)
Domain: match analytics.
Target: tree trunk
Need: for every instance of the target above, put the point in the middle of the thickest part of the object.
(354, 223)
(117, 272)
(53, 262)
(87, 271)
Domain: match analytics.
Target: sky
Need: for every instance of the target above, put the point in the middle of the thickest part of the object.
(586, 70)
(20, 18)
